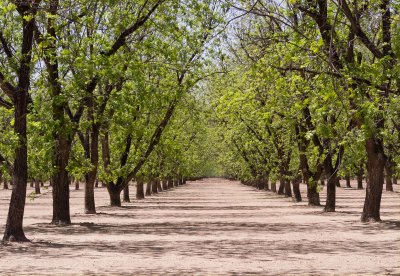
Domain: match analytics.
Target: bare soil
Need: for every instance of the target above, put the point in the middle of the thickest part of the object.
(209, 227)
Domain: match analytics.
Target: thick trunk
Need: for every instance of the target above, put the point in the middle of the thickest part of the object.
(273, 186)
(389, 175)
(164, 184)
(37, 187)
(331, 176)
(61, 211)
(90, 205)
(148, 188)
(154, 187)
(115, 195)
(337, 181)
(375, 165)
(170, 183)
(281, 189)
(266, 181)
(288, 189)
(14, 230)
(296, 188)
(348, 185)
(139, 190)
(126, 194)
(260, 184)
(176, 182)
(159, 187)
(312, 193)
(360, 174)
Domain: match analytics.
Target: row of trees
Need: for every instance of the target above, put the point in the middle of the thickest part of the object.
(312, 92)
(89, 89)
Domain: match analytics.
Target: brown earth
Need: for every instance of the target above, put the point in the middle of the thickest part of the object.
(209, 227)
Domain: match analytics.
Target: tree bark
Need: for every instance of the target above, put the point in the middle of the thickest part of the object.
(260, 184)
(389, 175)
(126, 194)
(348, 185)
(154, 187)
(61, 210)
(77, 185)
(148, 188)
(281, 189)
(165, 184)
(360, 174)
(139, 189)
(375, 164)
(14, 230)
(90, 205)
(159, 187)
(273, 186)
(176, 183)
(5, 187)
(170, 183)
(337, 181)
(115, 195)
(331, 176)
(37, 186)
(288, 189)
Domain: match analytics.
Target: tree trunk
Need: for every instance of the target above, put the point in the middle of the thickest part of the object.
(61, 210)
(312, 193)
(273, 186)
(37, 187)
(337, 181)
(148, 188)
(115, 195)
(389, 175)
(90, 206)
(77, 185)
(360, 174)
(266, 181)
(170, 183)
(41, 184)
(296, 188)
(375, 165)
(281, 189)
(164, 184)
(139, 189)
(322, 181)
(32, 183)
(176, 183)
(126, 194)
(96, 184)
(395, 179)
(14, 230)
(154, 187)
(5, 187)
(348, 185)
(288, 189)
(159, 188)
(331, 176)
(260, 184)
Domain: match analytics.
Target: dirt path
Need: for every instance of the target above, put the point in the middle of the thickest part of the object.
(207, 227)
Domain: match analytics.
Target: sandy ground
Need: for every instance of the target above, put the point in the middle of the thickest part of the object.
(208, 227)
